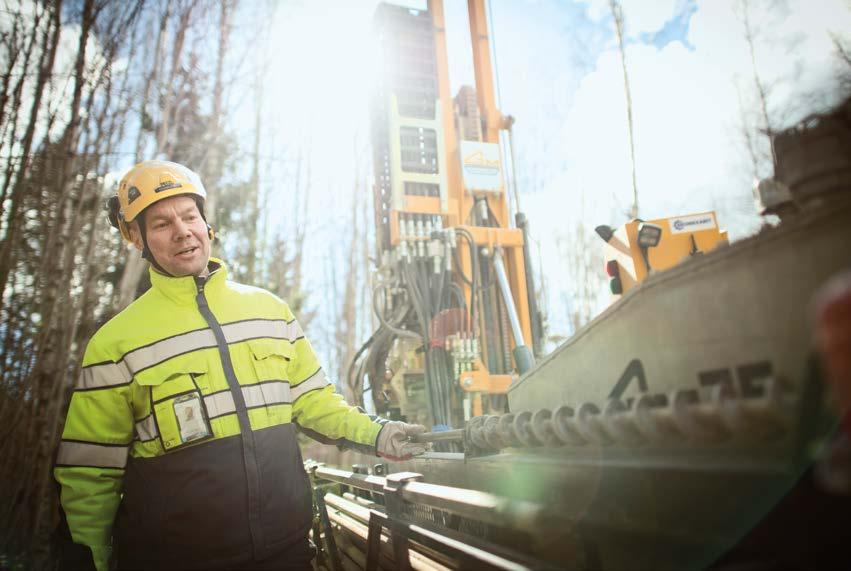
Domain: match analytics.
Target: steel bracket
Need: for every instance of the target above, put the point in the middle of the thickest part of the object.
(395, 506)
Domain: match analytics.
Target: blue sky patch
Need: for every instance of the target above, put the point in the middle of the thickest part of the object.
(675, 29)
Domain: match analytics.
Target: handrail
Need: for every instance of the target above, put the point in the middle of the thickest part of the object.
(471, 504)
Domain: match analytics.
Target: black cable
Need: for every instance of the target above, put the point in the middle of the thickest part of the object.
(381, 338)
(459, 295)
(425, 289)
(379, 313)
(416, 297)
(411, 274)
(456, 258)
(374, 364)
(474, 289)
(359, 352)
(462, 303)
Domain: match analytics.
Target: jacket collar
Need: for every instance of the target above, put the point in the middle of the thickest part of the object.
(184, 289)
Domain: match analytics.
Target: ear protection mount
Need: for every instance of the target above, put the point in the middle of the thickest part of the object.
(113, 214)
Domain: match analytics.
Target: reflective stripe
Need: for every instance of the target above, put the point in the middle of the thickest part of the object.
(254, 328)
(146, 428)
(277, 392)
(103, 375)
(145, 357)
(316, 381)
(294, 331)
(95, 455)
(164, 350)
(219, 404)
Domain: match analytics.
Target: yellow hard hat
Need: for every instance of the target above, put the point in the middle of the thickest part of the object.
(149, 182)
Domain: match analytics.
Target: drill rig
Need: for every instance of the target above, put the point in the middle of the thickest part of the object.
(656, 436)
(454, 294)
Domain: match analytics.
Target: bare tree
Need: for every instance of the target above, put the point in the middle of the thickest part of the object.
(55, 196)
(579, 250)
(843, 56)
(210, 167)
(748, 135)
(346, 323)
(50, 41)
(65, 125)
(254, 185)
(284, 260)
(617, 14)
(162, 119)
(762, 135)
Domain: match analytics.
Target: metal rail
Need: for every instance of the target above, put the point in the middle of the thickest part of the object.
(414, 543)
(360, 481)
(355, 518)
(472, 504)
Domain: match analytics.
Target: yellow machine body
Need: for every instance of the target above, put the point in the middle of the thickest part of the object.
(682, 238)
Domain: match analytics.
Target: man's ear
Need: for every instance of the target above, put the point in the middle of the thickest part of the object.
(135, 235)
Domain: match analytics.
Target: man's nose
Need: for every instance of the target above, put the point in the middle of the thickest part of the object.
(181, 229)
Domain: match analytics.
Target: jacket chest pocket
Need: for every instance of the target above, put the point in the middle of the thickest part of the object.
(176, 392)
(270, 359)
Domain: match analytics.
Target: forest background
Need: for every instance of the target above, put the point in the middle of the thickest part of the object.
(268, 102)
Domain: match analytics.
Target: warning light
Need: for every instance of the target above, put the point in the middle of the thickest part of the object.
(613, 270)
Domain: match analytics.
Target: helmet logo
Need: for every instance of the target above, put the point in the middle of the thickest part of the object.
(133, 194)
(167, 183)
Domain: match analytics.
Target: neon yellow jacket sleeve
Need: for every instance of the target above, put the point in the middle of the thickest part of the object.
(92, 455)
(322, 413)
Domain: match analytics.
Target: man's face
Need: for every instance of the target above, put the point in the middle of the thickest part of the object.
(177, 236)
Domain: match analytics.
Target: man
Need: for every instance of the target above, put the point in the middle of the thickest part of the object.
(179, 447)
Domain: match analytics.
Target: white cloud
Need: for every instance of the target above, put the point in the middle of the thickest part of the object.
(793, 48)
(641, 16)
(690, 152)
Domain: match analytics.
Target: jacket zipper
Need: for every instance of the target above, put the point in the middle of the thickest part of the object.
(249, 446)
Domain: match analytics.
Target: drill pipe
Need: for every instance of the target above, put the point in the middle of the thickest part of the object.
(442, 436)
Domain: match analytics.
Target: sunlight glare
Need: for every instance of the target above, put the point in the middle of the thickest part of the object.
(321, 74)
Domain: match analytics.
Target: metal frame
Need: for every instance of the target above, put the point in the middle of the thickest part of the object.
(407, 488)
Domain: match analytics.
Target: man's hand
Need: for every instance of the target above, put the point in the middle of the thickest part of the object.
(394, 441)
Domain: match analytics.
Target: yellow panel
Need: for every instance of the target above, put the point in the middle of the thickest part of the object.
(673, 248)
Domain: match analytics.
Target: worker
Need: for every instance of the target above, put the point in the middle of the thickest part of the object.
(833, 340)
(179, 448)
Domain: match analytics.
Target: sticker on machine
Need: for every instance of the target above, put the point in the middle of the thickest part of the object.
(692, 223)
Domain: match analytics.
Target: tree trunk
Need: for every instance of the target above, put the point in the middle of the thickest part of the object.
(50, 367)
(210, 168)
(254, 185)
(51, 41)
(617, 14)
(347, 322)
(135, 265)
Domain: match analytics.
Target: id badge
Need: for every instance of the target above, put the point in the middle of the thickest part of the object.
(190, 418)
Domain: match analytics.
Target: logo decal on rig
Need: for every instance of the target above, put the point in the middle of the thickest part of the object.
(692, 223)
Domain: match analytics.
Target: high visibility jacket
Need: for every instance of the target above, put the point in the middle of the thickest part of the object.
(177, 496)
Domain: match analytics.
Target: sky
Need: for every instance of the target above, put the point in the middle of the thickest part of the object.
(559, 74)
